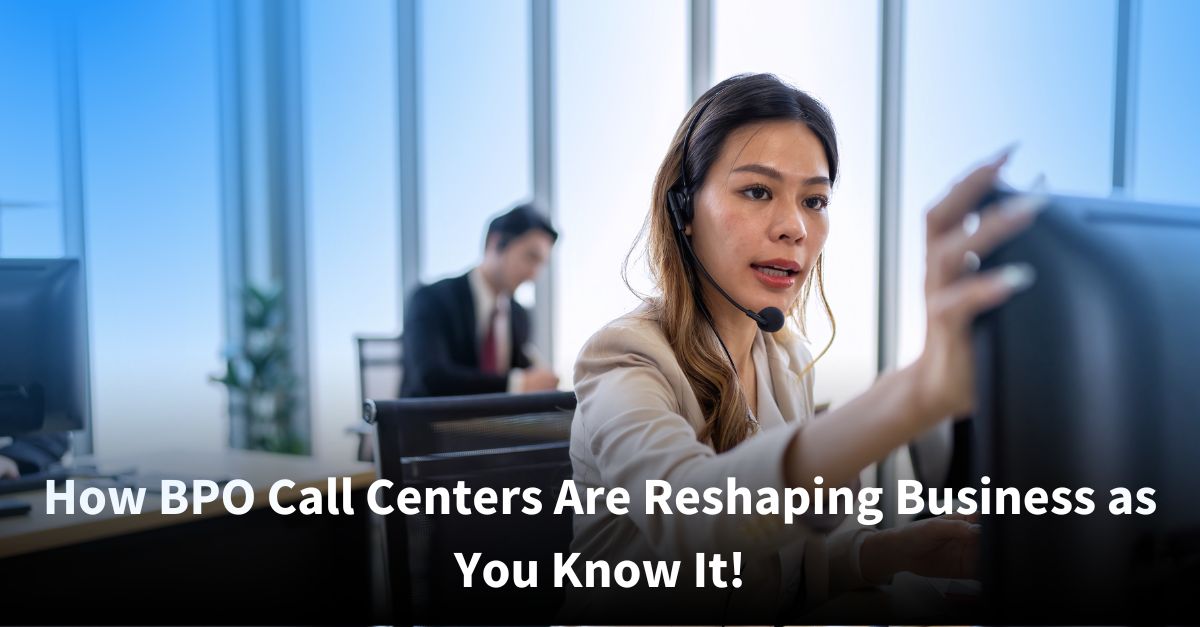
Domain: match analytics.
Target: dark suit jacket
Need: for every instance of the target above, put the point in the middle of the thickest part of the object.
(441, 345)
(36, 452)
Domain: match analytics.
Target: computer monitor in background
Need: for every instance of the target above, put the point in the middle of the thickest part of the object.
(1091, 378)
(43, 346)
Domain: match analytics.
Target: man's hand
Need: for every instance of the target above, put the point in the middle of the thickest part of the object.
(8, 468)
(538, 380)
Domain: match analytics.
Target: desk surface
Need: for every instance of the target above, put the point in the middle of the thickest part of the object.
(39, 531)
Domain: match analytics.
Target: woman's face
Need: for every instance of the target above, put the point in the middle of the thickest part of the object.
(760, 216)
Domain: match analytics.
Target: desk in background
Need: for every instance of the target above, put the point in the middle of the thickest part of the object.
(212, 567)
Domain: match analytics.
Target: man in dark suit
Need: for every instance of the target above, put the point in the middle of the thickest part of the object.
(466, 335)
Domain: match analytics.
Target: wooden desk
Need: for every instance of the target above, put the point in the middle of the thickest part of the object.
(40, 531)
(211, 567)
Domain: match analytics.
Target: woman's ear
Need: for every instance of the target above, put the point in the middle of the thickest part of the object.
(687, 230)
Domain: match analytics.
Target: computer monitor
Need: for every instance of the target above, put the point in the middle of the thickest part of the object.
(1091, 378)
(43, 346)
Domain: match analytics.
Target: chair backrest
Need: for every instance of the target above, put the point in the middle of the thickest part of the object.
(495, 441)
(380, 373)
(380, 366)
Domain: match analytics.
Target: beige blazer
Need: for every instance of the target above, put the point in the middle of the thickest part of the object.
(638, 419)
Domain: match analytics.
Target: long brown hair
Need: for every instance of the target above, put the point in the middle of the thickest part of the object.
(730, 104)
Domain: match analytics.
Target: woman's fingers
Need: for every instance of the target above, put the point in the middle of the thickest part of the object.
(960, 302)
(962, 198)
(952, 254)
(999, 224)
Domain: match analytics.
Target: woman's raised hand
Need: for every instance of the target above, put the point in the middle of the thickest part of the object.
(904, 403)
(955, 294)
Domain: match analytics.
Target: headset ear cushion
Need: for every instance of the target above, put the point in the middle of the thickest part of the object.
(677, 202)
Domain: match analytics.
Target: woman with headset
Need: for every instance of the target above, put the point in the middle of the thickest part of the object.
(705, 381)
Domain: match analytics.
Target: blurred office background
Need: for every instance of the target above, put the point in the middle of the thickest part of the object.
(339, 152)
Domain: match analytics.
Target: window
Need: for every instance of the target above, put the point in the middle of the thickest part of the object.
(475, 125)
(350, 109)
(1040, 74)
(1167, 130)
(620, 83)
(30, 210)
(148, 78)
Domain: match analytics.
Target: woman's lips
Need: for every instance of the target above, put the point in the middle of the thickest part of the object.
(775, 278)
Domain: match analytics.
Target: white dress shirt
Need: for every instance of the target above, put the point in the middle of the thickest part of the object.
(485, 301)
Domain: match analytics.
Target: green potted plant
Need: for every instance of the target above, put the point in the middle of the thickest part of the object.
(258, 375)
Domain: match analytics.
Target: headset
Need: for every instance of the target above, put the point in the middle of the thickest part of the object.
(679, 202)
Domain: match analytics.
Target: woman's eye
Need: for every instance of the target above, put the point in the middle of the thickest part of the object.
(816, 203)
(757, 192)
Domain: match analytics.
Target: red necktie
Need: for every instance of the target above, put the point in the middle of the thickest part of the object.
(487, 355)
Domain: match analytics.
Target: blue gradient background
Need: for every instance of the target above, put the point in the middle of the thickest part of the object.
(978, 76)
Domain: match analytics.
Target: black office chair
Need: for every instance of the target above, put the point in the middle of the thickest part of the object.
(493, 440)
(380, 372)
